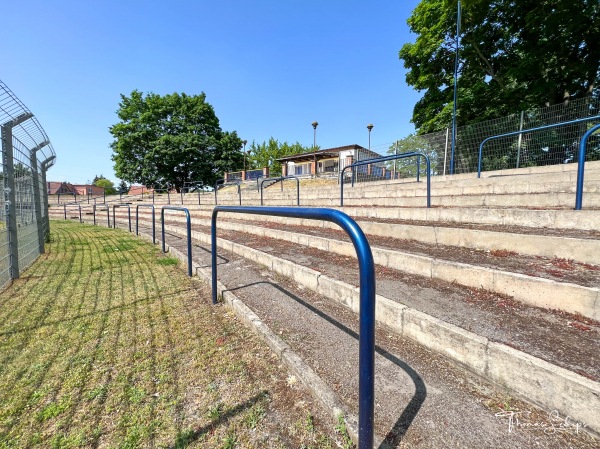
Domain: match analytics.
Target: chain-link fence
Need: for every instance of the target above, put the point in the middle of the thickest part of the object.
(556, 145)
(26, 156)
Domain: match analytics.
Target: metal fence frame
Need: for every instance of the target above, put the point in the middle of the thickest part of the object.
(27, 154)
(189, 232)
(137, 221)
(280, 179)
(386, 159)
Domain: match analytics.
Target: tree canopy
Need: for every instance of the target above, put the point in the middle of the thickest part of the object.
(514, 55)
(169, 140)
(266, 154)
(407, 167)
(106, 184)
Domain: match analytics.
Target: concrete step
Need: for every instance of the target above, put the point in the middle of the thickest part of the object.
(521, 373)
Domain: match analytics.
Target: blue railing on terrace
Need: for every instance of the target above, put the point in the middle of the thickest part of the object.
(189, 232)
(527, 131)
(280, 179)
(221, 183)
(384, 159)
(581, 165)
(366, 376)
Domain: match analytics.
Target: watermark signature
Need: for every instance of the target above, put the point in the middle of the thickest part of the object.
(554, 423)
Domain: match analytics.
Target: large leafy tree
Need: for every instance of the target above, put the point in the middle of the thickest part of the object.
(265, 154)
(514, 55)
(169, 140)
(106, 184)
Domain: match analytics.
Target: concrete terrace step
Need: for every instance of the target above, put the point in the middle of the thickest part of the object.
(578, 245)
(510, 368)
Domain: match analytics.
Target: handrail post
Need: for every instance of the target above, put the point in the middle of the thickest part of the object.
(137, 207)
(581, 166)
(366, 376)
(189, 232)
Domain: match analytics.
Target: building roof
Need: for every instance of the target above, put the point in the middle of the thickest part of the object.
(327, 152)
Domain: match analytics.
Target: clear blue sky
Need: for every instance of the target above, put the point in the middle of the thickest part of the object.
(268, 67)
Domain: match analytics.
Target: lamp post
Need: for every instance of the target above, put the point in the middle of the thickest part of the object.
(244, 142)
(455, 90)
(314, 125)
(370, 127)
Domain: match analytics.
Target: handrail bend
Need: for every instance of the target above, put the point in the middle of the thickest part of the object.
(189, 232)
(281, 179)
(223, 183)
(71, 205)
(581, 166)
(367, 297)
(128, 215)
(107, 213)
(137, 221)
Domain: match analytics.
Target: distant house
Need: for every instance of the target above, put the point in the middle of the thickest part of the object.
(329, 161)
(138, 190)
(66, 188)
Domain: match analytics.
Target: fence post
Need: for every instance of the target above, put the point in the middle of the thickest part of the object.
(520, 139)
(36, 196)
(10, 200)
(45, 166)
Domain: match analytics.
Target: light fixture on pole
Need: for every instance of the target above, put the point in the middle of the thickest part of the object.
(314, 125)
(370, 127)
(244, 142)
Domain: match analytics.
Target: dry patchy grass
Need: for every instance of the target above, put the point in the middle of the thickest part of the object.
(104, 343)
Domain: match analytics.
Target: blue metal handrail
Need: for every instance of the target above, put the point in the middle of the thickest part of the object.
(389, 158)
(128, 215)
(159, 191)
(281, 179)
(581, 166)
(107, 214)
(223, 184)
(71, 205)
(137, 221)
(189, 232)
(526, 131)
(367, 297)
(68, 194)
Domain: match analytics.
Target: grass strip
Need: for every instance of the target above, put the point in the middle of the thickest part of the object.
(104, 342)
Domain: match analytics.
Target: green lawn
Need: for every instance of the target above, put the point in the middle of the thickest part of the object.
(106, 343)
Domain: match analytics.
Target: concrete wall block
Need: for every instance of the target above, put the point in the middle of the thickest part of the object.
(306, 277)
(390, 313)
(342, 248)
(340, 292)
(464, 274)
(546, 384)
(410, 263)
(458, 344)
(549, 294)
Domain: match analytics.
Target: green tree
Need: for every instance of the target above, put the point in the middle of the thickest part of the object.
(515, 55)
(123, 187)
(266, 154)
(169, 140)
(407, 167)
(106, 184)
